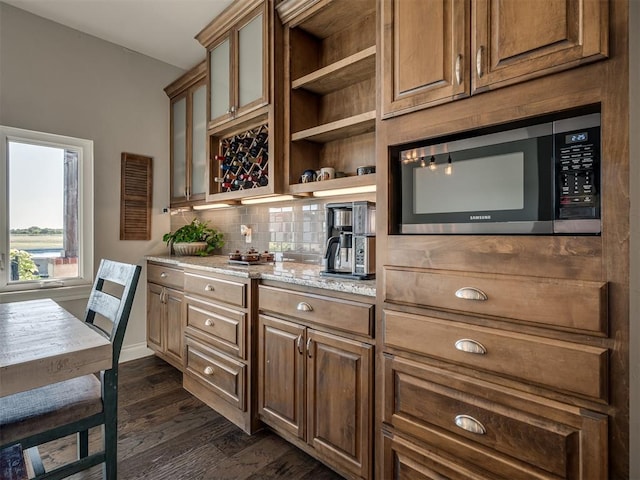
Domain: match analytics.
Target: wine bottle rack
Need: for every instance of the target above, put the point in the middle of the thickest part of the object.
(243, 162)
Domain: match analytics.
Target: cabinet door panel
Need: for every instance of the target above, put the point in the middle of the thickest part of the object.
(199, 141)
(425, 53)
(250, 62)
(281, 374)
(179, 150)
(339, 400)
(155, 312)
(220, 80)
(514, 41)
(174, 324)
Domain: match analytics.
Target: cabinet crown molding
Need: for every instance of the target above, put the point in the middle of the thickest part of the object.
(187, 79)
(226, 20)
(290, 9)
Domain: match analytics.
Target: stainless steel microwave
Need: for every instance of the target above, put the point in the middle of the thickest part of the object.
(540, 178)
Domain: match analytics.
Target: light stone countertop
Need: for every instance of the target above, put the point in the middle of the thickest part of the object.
(287, 272)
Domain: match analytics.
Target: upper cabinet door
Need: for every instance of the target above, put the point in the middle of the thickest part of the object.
(513, 41)
(221, 94)
(179, 149)
(238, 45)
(251, 65)
(199, 140)
(425, 50)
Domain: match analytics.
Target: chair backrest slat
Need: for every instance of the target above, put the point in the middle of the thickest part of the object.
(115, 309)
(104, 304)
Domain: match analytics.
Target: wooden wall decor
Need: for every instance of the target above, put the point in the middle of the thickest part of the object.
(136, 186)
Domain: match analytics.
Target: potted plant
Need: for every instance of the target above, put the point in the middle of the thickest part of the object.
(195, 238)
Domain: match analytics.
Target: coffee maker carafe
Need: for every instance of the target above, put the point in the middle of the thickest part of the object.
(350, 249)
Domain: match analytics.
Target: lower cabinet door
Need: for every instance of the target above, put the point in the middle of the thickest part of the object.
(155, 316)
(281, 363)
(340, 400)
(175, 330)
(508, 433)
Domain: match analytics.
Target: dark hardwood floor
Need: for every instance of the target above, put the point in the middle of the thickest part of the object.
(165, 433)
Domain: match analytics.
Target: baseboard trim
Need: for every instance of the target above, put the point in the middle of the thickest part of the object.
(135, 351)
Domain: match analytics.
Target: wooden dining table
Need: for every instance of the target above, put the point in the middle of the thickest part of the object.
(42, 343)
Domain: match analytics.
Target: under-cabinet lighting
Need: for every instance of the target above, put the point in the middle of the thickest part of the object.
(345, 191)
(175, 211)
(210, 206)
(269, 199)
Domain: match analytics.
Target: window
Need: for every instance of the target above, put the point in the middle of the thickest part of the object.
(47, 215)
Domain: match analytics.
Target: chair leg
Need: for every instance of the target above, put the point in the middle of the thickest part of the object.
(83, 444)
(111, 450)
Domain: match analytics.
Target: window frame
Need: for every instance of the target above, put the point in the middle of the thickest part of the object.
(52, 288)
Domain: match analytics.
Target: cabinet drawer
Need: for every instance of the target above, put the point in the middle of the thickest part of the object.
(233, 293)
(224, 328)
(339, 314)
(221, 374)
(163, 275)
(557, 364)
(493, 422)
(566, 304)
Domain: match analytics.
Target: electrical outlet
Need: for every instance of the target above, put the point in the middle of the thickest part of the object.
(246, 232)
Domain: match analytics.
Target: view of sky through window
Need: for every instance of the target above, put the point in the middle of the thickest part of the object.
(36, 187)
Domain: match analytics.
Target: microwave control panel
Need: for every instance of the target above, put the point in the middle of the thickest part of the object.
(578, 174)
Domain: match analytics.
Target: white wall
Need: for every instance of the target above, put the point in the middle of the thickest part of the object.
(634, 317)
(57, 80)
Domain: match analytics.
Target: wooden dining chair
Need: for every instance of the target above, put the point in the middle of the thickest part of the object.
(41, 415)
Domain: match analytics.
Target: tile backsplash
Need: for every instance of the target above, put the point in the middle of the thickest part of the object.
(292, 230)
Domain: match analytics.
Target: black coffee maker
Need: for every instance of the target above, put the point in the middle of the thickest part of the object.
(350, 248)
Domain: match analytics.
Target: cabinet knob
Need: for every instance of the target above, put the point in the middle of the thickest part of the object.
(208, 322)
(304, 307)
(163, 275)
(470, 346)
(470, 424)
(208, 371)
(208, 288)
(471, 293)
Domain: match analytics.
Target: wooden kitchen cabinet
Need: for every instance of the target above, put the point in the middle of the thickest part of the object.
(501, 403)
(428, 57)
(237, 43)
(188, 94)
(315, 387)
(218, 337)
(330, 102)
(425, 53)
(165, 324)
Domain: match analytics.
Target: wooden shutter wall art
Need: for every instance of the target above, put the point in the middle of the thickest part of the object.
(136, 186)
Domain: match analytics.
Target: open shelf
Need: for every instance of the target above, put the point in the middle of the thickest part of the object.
(347, 71)
(343, 128)
(344, 182)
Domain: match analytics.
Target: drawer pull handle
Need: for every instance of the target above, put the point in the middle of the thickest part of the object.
(163, 275)
(479, 55)
(470, 346)
(208, 371)
(208, 288)
(309, 348)
(470, 424)
(304, 307)
(299, 344)
(471, 293)
(208, 322)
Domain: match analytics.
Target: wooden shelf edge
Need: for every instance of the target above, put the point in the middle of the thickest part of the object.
(343, 128)
(344, 182)
(347, 71)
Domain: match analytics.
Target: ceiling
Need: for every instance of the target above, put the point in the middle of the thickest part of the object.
(161, 29)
